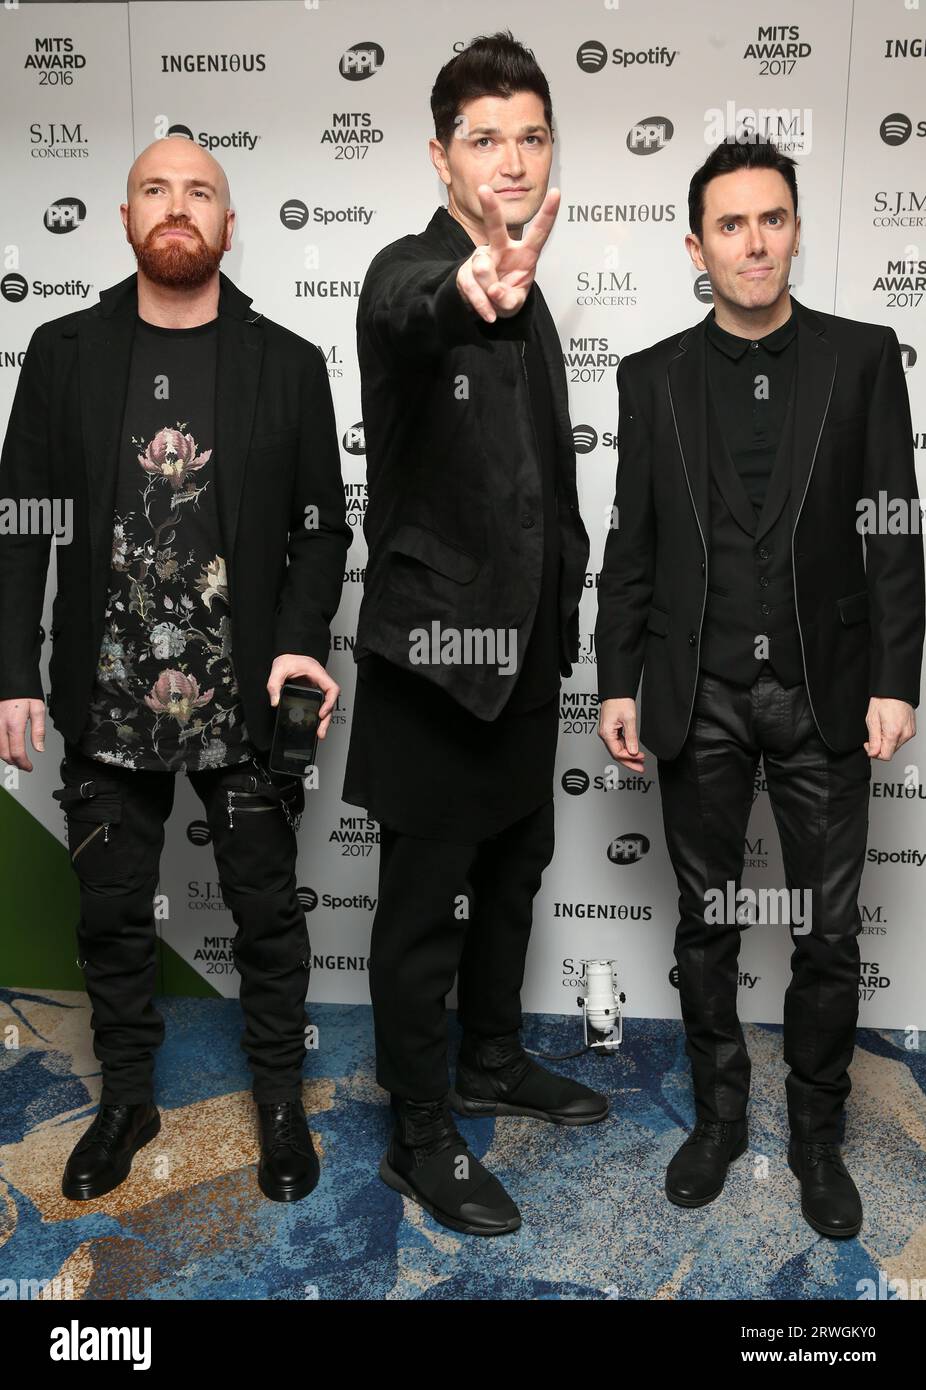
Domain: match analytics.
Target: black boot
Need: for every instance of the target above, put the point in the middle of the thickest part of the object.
(428, 1161)
(102, 1157)
(289, 1167)
(697, 1172)
(495, 1076)
(830, 1201)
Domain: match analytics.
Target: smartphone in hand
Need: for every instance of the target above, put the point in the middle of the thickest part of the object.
(295, 734)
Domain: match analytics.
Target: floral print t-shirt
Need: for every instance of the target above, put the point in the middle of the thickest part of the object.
(165, 694)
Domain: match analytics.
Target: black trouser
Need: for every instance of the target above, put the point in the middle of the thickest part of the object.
(820, 803)
(115, 826)
(445, 910)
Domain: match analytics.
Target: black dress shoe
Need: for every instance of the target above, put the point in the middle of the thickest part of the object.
(830, 1201)
(102, 1157)
(495, 1076)
(428, 1160)
(289, 1167)
(698, 1170)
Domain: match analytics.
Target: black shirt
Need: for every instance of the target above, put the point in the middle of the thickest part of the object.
(750, 381)
(165, 695)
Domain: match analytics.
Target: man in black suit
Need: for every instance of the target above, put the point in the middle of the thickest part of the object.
(735, 580)
(477, 556)
(195, 443)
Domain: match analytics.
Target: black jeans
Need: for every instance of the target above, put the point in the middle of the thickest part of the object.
(820, 802)
(444, 910)
(115, 830)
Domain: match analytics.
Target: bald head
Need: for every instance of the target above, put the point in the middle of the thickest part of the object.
(176, 216)
(177, 157)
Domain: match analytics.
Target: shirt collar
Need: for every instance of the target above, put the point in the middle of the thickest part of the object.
(455, 231)
(122, 299)
(735, 346)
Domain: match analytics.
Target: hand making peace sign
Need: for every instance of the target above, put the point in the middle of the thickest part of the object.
(497, 277)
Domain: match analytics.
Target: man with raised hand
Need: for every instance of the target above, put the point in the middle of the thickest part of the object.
(196, 441)
(477, 557)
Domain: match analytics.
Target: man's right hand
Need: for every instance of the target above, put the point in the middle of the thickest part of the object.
(14, 716)
(496, 279)
(617, 727)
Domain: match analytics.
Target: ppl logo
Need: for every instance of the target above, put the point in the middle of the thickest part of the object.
(65, 215)
(360, 61)
(353, 440)
(650, 135)
(628, 849)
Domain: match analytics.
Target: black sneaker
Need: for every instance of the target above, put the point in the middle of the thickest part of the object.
(102, 1158)
(495, 1076)
(429, 1161)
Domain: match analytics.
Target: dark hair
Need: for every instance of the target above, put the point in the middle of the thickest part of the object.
(493, 65)
(732, 154)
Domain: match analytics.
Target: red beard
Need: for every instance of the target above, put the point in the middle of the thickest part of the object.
(176, 262)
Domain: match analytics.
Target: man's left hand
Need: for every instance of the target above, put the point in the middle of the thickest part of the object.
(287, 667)
(890, 724)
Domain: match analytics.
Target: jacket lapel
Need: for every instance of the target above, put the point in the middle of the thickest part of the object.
(687, 387)
(104, 348)
(547, 336)
(814, 378)
(238, 365)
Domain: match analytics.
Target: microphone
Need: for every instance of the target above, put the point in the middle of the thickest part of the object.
(601, 1005)
(601, 1011)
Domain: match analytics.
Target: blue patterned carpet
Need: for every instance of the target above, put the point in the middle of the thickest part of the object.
(191, 1223)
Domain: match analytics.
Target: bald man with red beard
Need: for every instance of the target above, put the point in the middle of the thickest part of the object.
(191, 437)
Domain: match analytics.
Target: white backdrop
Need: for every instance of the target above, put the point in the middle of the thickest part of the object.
(320, 116)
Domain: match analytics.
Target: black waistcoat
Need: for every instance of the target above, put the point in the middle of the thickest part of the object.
(750, 583)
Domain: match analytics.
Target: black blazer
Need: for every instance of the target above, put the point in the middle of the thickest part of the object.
(277, 442)
(861, 621)
(454, 521)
